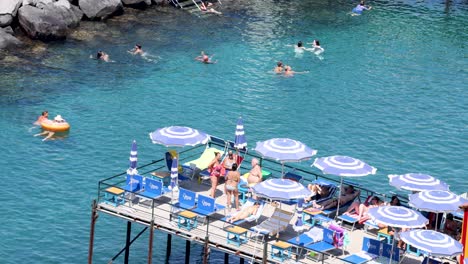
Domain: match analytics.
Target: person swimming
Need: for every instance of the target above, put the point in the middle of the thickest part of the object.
(101, 55)
(136, 50)
(289, 72)
(299, 47)
(204, 58)
(316, 48)
(279, 67)
(207, 8)
(360, 8)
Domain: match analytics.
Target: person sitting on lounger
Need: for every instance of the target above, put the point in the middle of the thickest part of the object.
(318, 192)
(251, 210)
(362, 209)
(347, 195)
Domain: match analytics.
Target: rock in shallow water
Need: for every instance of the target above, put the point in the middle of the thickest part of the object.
(8, 41)
(49, 23)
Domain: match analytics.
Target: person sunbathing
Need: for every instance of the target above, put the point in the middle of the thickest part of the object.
(348, 195)
(318, 192)
(251, 210)
(361, 209)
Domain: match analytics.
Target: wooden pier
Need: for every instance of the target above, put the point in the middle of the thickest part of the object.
(211, 231)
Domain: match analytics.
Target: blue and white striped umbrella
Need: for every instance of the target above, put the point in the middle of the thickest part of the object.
(240, 142)
(417, 182)
(284, 150)
(132, 170)
(432, 242)
(179, 136)
(174, 174)
(281, 190)
(344, 166)
(299, 225)
(397, 216)
(436, 201)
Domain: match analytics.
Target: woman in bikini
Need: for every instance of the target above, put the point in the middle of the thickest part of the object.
(255, 175)
(232, 180)
(215, 169)
(251, 210)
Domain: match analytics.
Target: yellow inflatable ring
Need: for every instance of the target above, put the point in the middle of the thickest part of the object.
(55, 126)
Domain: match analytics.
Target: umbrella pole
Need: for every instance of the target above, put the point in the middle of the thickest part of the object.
(338, 200)
(437, 221)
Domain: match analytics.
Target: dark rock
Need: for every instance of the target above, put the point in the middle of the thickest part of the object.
(100, 9)
(136, 2)
(49, 23)
(7, 40)
(8, 9)
(9, 30)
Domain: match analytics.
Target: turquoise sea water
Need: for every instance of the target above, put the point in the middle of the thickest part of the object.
(390, 90)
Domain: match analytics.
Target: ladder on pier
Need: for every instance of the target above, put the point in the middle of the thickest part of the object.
(190, 5)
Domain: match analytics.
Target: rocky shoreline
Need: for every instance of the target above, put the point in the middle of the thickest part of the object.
(48, 20)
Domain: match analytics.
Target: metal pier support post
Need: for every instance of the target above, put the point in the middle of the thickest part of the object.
(265, 251)
(241, 261)
(206, 251)
(168, 246)
(187, 251)
(94, 216)
(226, 258)
(127, 242)
(150, 244)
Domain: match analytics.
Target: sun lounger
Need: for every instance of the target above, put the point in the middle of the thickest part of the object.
(206, 206)
(204, 160)
(314, 235)
(390, 254)
(186, 200)
(325, 245)
(370, 250)
(350, 219)
(153, 189)
(277, 223)
(133, 183)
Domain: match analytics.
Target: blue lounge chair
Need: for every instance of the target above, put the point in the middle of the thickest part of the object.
(325, 245)
(293, 176)
(133, 183)
(370, 251)
(351, 220)
(390, 254)
(152, 189)
(186, 200)
(315, 234)
(206, 206)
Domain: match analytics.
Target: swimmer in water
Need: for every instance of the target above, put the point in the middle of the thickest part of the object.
(289, 72)
(136, 50)
(101, 55)
(316, 47)
(204, 58)
(279, 67)
(299, 47)
(44, 118)
(360, 8)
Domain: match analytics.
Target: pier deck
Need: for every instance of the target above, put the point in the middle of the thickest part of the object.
(211, 231)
